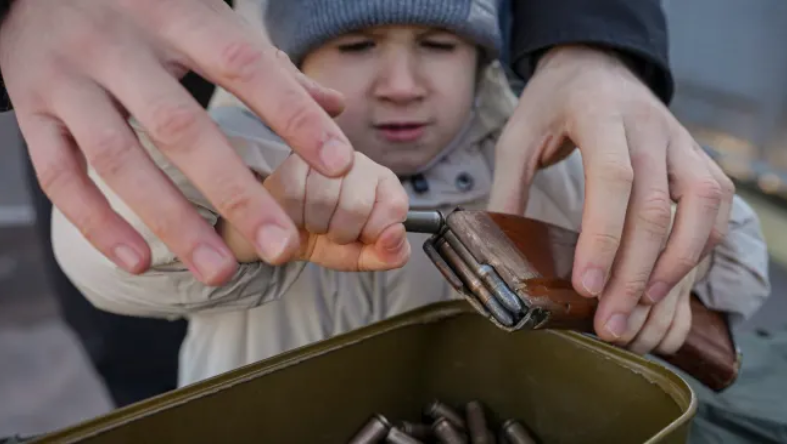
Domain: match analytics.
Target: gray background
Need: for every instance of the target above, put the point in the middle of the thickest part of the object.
(731, 66)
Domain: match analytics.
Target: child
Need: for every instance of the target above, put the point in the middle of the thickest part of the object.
(424, 100)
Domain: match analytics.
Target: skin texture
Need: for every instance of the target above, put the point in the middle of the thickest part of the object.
(400, 72)
(100, 61)
(398, 75)
(351, 223)
(638, 160)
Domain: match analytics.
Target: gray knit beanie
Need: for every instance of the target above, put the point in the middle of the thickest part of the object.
(299, 26)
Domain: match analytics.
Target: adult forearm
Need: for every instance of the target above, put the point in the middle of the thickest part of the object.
(636, 30)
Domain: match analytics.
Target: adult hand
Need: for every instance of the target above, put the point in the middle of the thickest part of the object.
(76, 69)
(637, 158)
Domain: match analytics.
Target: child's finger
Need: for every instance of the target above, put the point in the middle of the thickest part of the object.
(392, 250)
(355, 202)
(322, 197)
(680, 328)
(390, 207)
(658, 323)
(287, 184)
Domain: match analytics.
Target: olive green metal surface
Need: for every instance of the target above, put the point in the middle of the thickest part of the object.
(566, 387)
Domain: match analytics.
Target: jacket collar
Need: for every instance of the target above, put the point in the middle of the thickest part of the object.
(462, 172)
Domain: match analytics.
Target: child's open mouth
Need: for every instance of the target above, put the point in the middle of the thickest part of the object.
(401, 132)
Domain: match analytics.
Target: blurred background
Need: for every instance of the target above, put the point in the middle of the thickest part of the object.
(731, 68)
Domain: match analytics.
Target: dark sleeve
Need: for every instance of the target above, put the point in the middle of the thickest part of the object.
(5, 103)
(635, 29)
(201, 89)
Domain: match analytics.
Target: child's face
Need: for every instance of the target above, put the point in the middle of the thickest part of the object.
(408, 90)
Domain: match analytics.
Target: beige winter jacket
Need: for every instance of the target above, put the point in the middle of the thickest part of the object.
(267, 310)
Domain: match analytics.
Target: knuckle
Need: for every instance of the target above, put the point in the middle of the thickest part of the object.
(108, 153)
(164, 225)
(398, 205)
(282, 57)
(86, 40)
(324, 202)
(656, 213)
(289, 191)
(239, 61)
(684, 262)
(358, 207)
(605, 243)
(718, 234)
(398, 201)
(174, 125)
(54, 176)
(298, 118)
(709, 190)
(618, 172)
(93, 221)
(235, 202)
(727, 185)
(609, 168)
(633, 290)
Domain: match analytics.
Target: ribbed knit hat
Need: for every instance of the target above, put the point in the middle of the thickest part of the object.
(299, 26)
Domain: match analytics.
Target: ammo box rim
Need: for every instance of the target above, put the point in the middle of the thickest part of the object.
(655, 373)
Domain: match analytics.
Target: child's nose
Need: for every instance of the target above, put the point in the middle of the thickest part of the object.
(400, 80)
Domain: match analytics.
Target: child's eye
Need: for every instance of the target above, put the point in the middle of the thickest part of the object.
(356, 46)
(439, 45)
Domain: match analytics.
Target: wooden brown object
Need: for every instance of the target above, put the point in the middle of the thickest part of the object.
(535, 260)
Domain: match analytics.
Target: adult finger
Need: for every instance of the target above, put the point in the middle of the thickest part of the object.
(609, 180)
(699, 197)
(516, 158)
(322, 197)
(680, 328)
(332, 101)
(356, 203)
(64, 180)
(721, 226)
(248, 67)
(113, 151)
(184, 133)
(647, 224)
(390, 208)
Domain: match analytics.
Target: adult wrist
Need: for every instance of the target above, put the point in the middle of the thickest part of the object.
(648, 73)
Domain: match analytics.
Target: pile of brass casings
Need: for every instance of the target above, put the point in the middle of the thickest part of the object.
(442, 424)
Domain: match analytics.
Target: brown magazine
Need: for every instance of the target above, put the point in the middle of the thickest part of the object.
(516, 271)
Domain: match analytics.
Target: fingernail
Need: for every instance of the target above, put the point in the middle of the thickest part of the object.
(272, 242)
(209, 262)
(593, 281)
(335, 155)
(657, 292)
(127, 257)
(617, 325)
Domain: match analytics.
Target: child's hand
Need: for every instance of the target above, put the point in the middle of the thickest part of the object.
(663, 327)
(353, 223)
